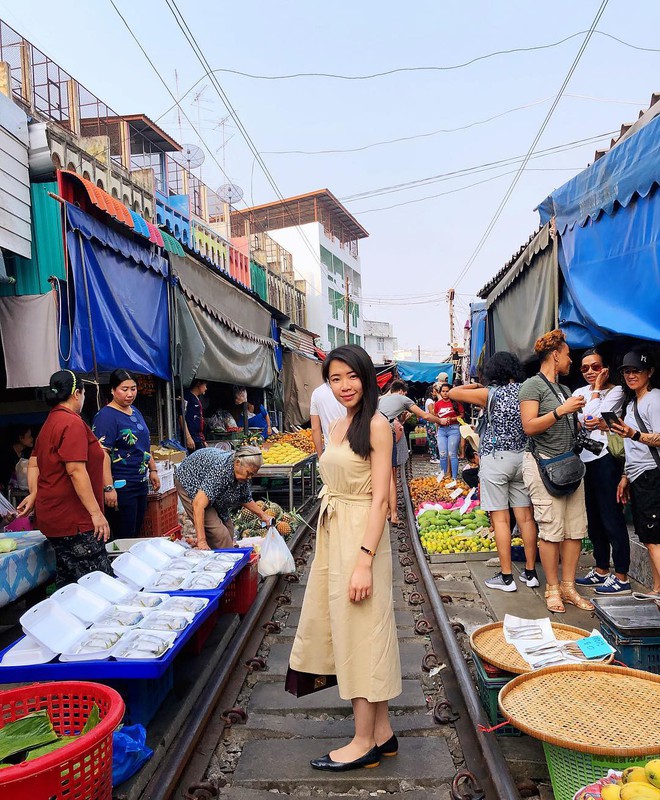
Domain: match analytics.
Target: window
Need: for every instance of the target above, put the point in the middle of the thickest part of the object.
(341, 336)
(380, 344)
(332, 337)
(338, 267)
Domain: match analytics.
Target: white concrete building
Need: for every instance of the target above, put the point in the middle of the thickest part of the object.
(322, 236)
(379, 341)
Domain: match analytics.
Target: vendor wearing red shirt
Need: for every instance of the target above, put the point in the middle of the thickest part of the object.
(69, 479)
(449, 437)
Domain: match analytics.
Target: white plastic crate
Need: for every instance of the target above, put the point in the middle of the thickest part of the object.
(166, 476)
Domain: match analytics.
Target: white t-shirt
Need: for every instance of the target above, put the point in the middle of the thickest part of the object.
(638, 456)
(326, 406)
(609, 400)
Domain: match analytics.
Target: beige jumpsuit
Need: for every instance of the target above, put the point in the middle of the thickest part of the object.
(355, 641)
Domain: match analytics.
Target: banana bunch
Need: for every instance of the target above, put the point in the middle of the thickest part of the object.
(637, 783)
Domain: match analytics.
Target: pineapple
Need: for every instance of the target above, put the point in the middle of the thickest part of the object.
(284, 529)
(276, 510)
(263, 504)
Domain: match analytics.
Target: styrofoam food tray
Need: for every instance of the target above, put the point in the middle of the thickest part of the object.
(82, 603)
(159, 582)
(149, 622)
(171, 549)
(96, 655)
(104, 622)
(189, 583)
(133, 570)
(134, 636)
(151, 554)
(185, 605)
(137, 601)
(27, 651)
(108, 587)
(182, 564)
(52, 626)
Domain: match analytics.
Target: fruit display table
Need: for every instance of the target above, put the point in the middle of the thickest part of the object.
(288, 471)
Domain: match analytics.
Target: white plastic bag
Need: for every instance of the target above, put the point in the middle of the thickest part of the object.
(21, 473)
(275, 558)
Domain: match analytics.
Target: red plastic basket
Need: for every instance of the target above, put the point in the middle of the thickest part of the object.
(242, 591)
(81, 770)
(161, 516)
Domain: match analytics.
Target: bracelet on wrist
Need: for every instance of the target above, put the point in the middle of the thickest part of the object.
(366, 550)
(636, 436)
(555, 414)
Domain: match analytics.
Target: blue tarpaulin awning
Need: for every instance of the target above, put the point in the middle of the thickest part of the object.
(630, 169)
(423, 372)
(611, 270)
(121, 310)
(478, 319)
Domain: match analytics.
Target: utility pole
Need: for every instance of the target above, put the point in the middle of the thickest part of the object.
(450, 301)
(419, 352)
(347, 303)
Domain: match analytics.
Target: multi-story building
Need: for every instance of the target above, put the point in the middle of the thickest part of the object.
(322, 236)
(379, 341)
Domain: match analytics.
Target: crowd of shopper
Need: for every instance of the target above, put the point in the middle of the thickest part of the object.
(565, 464)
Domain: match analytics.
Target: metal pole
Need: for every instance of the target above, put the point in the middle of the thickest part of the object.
(347, 302)
(419, 352)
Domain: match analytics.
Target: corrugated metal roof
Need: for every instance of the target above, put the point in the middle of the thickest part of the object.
(101, 199)
(298, 340)
(171, 244)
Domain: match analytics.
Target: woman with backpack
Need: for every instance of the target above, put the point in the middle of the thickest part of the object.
(640, 430)
(501, 446)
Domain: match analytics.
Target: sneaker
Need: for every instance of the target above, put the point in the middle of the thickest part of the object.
(434, 461)
(592, 578)
(498, 582)
(530, 578)
(614, 586)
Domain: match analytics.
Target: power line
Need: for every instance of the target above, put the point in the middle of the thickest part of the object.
(430, 68)
(537, 138)
(177, 104)
(467, 186)
(439, 131)
(489, 165)
(192, 41)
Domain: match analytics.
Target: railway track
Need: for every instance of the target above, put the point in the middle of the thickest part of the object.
(245, 738)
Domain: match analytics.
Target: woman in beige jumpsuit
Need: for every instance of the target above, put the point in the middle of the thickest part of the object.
(347, 626)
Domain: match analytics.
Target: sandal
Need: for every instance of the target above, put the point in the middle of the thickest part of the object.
(553, 599)
(569, 594)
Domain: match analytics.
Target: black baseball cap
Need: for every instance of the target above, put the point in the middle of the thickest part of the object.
(637, 359)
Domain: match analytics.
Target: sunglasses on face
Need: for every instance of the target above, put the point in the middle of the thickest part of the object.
(632, 371)
(591, 368)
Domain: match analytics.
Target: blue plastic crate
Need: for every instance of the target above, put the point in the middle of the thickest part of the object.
(489, 689)
(636, 652)
(143, 697)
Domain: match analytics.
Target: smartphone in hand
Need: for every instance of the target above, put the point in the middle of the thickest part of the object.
(610, 418)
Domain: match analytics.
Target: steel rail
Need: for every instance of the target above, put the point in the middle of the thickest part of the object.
(166, 778)
(495, 762)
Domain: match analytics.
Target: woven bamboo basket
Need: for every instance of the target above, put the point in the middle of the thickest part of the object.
(590, 718)
(593, 708)
(489, 644)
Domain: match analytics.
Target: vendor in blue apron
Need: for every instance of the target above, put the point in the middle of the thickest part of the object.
(123, 433)
(193, 429)
(257, 415)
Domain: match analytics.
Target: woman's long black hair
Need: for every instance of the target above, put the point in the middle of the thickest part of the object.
(503, 367)
(355, 357)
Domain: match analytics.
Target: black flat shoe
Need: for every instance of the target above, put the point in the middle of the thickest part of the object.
(390, 748)
(370, 759)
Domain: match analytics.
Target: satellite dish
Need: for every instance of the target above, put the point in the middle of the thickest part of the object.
(190, 157)
(230, 193)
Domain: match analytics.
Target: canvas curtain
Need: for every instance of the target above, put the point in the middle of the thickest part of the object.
(523, 305)
(28, 326)
(301, 376)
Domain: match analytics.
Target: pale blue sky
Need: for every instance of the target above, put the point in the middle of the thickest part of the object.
(414, 248)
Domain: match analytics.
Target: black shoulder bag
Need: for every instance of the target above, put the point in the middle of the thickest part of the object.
(644, 429)
(562, 474)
